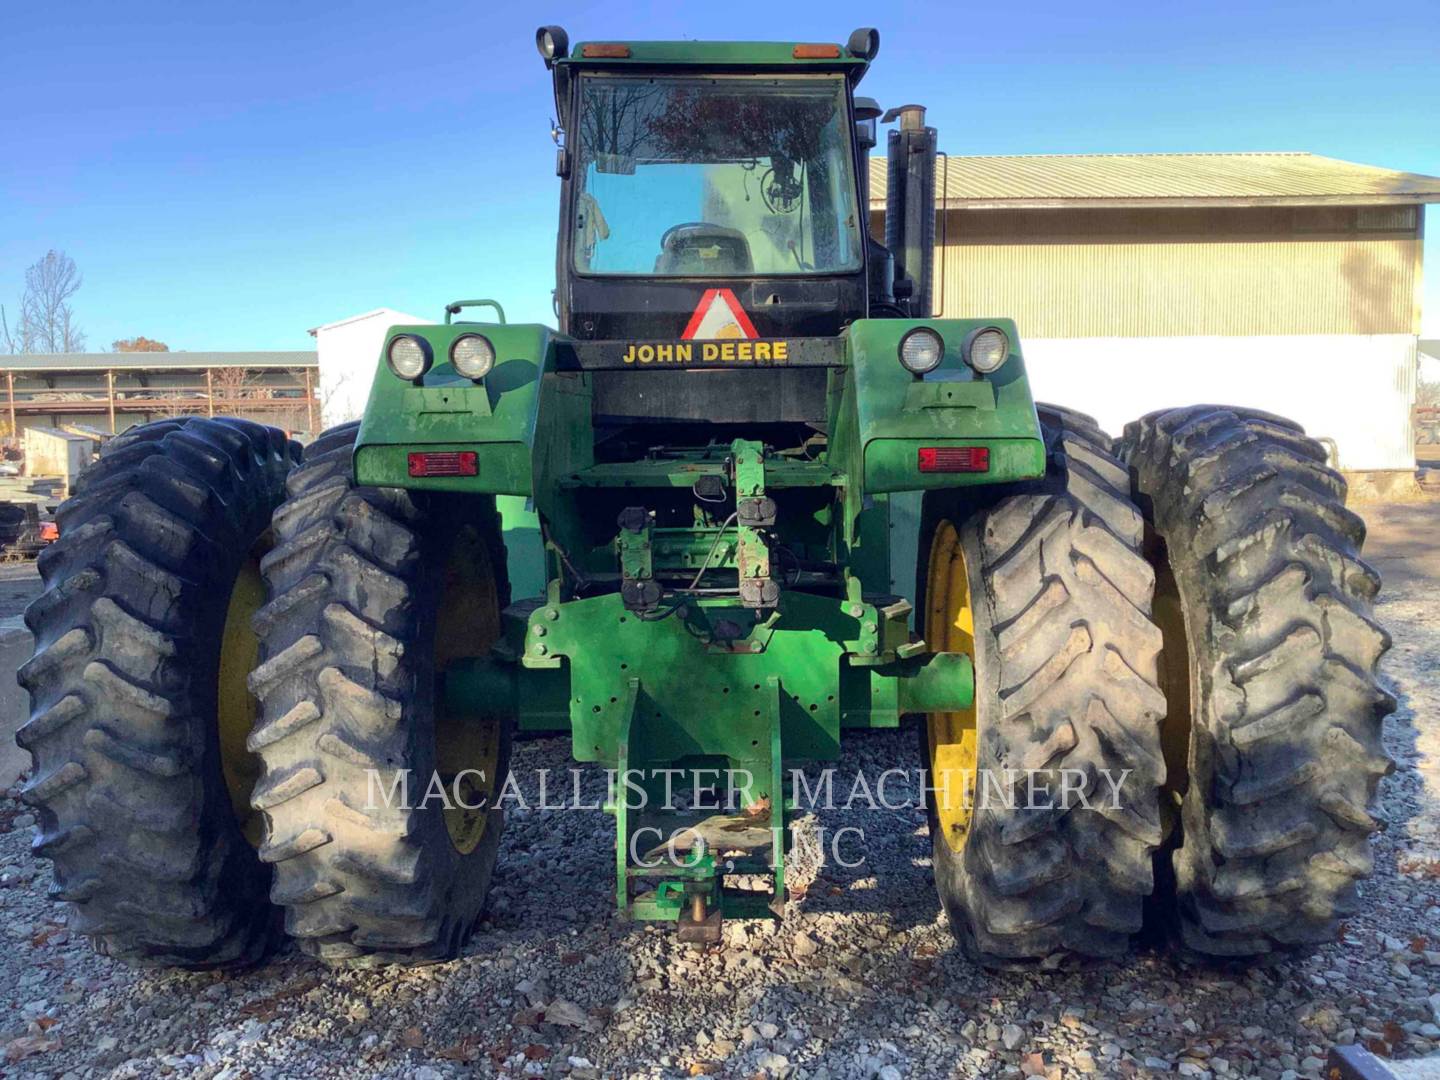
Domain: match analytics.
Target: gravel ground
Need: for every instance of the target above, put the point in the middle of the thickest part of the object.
(19, 584)
(861, 980)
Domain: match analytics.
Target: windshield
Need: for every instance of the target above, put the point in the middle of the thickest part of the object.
(719, 177)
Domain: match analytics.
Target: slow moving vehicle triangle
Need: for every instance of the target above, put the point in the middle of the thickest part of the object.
(718, 315)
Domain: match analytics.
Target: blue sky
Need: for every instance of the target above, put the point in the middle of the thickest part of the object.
(229, 175)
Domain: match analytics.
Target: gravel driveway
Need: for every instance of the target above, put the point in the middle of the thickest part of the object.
(861, 980)
(19, 584)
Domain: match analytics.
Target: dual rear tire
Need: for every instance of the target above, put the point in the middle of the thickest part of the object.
(1273, 734)
(1052, 854)
(1187, 604)
(185, 817)
(382, 827)
(137, 693)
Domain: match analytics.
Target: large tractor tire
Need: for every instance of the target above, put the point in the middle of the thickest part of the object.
(1271, 647)
(374, 593)
(1045, 585)
(139, 710)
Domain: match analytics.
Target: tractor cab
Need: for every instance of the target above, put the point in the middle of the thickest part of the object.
(714, 214)
(710, 189)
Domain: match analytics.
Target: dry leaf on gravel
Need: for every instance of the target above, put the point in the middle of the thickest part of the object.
(467, 1049)
(267, 1008)
(1033, 1064)
(759, 808)
(28, 1046)
(569, 1014)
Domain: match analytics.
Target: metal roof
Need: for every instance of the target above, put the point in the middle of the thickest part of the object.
(1126, 180)
(155, 361)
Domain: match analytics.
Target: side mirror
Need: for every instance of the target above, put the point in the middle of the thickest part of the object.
(865, 134)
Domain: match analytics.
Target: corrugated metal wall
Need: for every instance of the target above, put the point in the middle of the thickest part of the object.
(1183, 272)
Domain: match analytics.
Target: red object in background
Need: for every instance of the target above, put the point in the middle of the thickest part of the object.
(954, 459)
(444, 463)
(49, 532)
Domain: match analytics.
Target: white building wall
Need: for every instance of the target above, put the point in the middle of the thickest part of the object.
(1429, 369)
(349, 355)
(1354, 389)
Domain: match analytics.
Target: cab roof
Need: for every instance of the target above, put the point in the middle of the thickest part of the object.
(734, 55)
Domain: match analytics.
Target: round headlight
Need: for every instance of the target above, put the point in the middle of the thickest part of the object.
(986, 349)
(472, 355)
(409, 356)
(921, 350)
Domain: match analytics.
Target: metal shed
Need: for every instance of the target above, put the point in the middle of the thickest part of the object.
(113, 391)
(1284, 281)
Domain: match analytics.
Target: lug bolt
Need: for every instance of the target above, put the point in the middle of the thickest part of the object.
(538, 631)
(539, 649)
(552, 614)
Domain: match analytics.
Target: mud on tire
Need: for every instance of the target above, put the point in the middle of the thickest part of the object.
(1273, 667)
(128, 786)
(348, 692)
(1066, 679)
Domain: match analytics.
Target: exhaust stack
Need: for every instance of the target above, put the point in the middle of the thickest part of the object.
(910, 206)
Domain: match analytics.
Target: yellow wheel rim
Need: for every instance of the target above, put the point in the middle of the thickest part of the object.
(467, 745)
(237, 708)
(950, 627)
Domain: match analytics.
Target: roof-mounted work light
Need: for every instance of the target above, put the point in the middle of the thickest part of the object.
(553, 43)
(864, 43)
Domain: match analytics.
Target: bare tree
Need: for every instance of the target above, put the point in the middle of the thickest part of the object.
(335, 398)
(230, 387)
(10, 340)
(46, 320)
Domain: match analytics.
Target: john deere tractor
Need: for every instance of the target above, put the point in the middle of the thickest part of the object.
(752, 494)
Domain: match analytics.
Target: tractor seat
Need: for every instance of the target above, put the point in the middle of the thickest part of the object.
(700, 249)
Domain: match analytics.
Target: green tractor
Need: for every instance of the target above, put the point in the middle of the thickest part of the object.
(750, 495)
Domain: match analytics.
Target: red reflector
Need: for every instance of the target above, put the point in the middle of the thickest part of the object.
(444, 463)
(605, 52)
(816, 52)
(955, 459)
